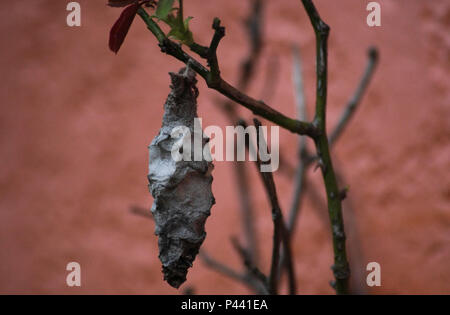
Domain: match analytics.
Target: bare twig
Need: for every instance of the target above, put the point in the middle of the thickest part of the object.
(229, 272)
(356, 99)
(349, 110)
(253, 26)
(221, 268)
(302, 152)
(219, 33)
(251, 268)
(340, 268)
(307, 158)
(141, 211)
(248, 225)
(280, 231)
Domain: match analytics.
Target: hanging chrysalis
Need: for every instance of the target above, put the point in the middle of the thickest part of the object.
(181, 187)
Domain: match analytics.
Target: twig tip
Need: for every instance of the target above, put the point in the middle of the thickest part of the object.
(373, 52)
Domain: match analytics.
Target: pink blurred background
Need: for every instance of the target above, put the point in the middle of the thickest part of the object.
(75, 122)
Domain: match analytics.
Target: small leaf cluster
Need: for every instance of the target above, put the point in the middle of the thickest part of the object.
(179, 27)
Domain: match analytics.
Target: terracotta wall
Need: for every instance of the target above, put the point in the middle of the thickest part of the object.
(75, 122)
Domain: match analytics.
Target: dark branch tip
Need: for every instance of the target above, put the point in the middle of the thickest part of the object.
(220, 30)
(373, 53)
(216, 23)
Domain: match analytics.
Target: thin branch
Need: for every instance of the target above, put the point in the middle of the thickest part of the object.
(272, 74)
(219, 33)
(246, 210)
(141, 211)
(356, 99)
(280, 233)
(221, 268)
(302, 114)
(253, 23)
(251, 268)
(299, 185)
(305, 158)
(261, 109)
(340, 268)
(308, 158)
(231, 273)
(215, 81)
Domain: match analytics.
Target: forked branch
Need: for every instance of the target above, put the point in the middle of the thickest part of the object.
(215, 81)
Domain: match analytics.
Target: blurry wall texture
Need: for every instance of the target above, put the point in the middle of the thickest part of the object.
(75, 122)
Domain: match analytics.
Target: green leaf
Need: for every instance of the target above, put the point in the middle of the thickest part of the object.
(186, 22)
(163, 9)
(182, 35)
(179, 28)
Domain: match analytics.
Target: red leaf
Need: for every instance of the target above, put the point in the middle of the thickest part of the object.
(120, 28)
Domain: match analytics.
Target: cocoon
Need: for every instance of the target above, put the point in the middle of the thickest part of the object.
(181, 189)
